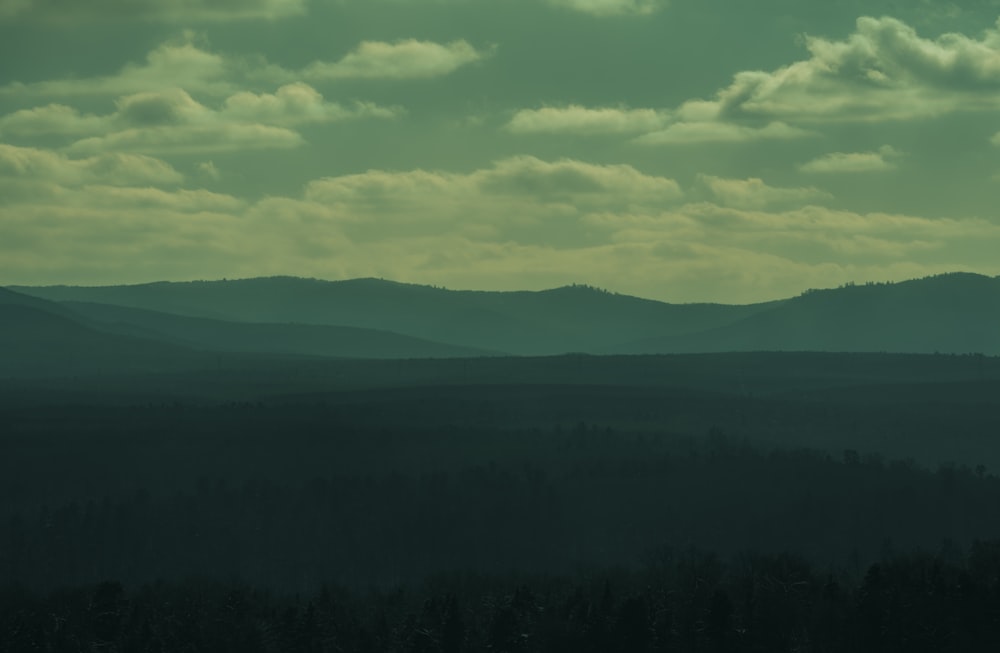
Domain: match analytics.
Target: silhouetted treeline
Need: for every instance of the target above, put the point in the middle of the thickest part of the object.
(556, 502)
(688, 601)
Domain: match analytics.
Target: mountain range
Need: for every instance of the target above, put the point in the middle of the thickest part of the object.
(184, 325)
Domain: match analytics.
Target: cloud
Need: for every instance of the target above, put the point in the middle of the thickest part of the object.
(516, 189)
(191, 139)
(171, 120)
(611, 7)
(50, 119)
(882, 71)
(28, 164)
(183, 63)
(849, 162)
(995, 139)
(297, 103)
(753, 193)
(408, 59)
(575, 119)
(178, 63)
(165, 10)
(520, 222)
(209, 171)
(720, 132)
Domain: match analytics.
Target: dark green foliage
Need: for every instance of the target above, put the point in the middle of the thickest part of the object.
(766, 604)
(292, 507)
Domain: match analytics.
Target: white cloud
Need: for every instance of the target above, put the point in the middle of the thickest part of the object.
(753, 193)
(191, 139)
(611, 7)
(849, 162)
(50, 119)
(720, 132)
(575, 119)
(171, 120)
(408, 59)
(883, 71)
(209, 171)
(511, 190)
(176, 64)
(168, 10)
(522, 222)
(183, 63)
(28, 164)
(297, 103)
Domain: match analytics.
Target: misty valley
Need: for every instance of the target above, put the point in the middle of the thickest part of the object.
(288, 464)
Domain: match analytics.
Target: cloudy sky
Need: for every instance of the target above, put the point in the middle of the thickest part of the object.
(683, 150)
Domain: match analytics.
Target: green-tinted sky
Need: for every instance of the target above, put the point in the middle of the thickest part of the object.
(684, 150)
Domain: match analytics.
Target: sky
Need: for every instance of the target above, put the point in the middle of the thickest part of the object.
(681, 150)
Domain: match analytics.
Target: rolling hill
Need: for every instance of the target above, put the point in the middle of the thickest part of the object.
(38, 342)
(575, 318)
(269, 338)
(953, 313)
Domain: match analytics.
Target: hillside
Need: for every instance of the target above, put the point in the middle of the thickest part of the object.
(530, 323)
(296, 339)
(35, 342)
(953, 313)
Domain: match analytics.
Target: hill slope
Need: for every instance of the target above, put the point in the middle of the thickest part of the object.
(297, 339)
(547, 322)
(953, 313)
(35, 342)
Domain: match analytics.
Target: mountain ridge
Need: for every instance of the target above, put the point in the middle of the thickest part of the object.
(950, 313)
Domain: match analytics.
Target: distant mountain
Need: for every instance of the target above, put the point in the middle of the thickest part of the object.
(38, 342)
(951, 313)
(297, 339)
(575, 318)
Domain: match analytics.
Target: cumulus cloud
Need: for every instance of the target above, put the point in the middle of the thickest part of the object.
(848, 162)
(576, 119)
(168, 10)
(184, 63)
(408, 59)
(565, 187)
(884, 70)
(50, 119)
(611, 7)
(298, 103)
(753, 193)
(171, 120)
(179, 63)
(29, 164)
(191, 139)
(522, 222)
(720, 132)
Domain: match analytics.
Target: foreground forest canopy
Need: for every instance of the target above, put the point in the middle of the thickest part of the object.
(157, 494)
(681, 601)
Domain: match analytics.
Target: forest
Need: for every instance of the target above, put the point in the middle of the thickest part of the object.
(741, 502)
